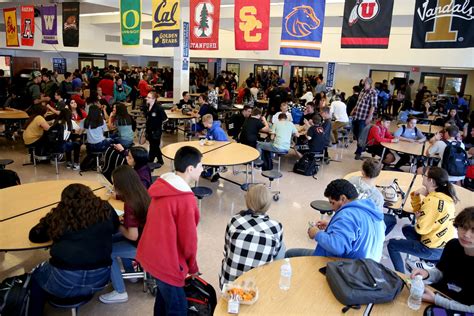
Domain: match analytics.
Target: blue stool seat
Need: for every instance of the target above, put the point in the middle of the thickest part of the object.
(201, 192)
(258, 162)
(272, 174)
(4, 162)
(323, 207)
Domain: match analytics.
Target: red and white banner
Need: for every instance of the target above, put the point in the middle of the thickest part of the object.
(27, 25)
(205, 15)
(251, 24)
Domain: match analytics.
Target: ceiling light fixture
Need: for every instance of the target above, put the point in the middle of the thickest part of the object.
(455, 68)
(99, 14)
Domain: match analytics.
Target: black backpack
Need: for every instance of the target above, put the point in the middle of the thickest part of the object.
(362, 281)
(306, 166)
(201, 296)
(112, 159)
(454, 159)
(15, 295)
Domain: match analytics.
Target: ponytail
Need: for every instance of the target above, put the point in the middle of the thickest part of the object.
(441, 179)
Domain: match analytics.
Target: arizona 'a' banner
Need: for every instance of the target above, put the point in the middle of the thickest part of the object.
(251, 24)
(11, 30)
(27, 25)
(71, 24)
(49, 24)
(443, 24)
(366, 23)
(204, 15)
(165, 24)
(130, 21)
(302, 27)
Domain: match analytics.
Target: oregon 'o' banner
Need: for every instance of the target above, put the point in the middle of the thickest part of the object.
(27, 25)
(49, 24)
(251, 24)
(71, 24)
(130, 21)
(204, 15)
(302, 27)
(443, 24)
(366, 23)
(165, 23)
(11, 30)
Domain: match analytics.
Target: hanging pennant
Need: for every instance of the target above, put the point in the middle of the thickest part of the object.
(49, 24)
(27, 14)
(251, 24)
(130, 21)
(205, 24)
(165, 24)
(71, 24)
(11, 30)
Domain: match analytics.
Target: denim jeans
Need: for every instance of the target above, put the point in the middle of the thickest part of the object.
(267, 146)
(170, 300)
(125, 250)
(99, 147)
(357, 128)
(412, 246)
(69, 147)
(299, 252)
(390, 222)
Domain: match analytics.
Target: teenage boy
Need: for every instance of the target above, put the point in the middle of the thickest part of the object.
(252, 126)
(186, 101)
(168, 246)
(284, 110)
(237, 121)
(408, 133)
(214, 132)
(379, 133)
(212, 97)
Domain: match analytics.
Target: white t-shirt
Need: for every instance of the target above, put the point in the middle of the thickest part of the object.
(67, 133)
(438, 149)
(254, 92)
(308, 96)
(339, 110)
(288, 117)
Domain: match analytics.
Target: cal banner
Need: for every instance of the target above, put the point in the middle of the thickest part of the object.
(130, 21)
(27, 25)
(165, 25)
(302, 27)
(49, 24)
(11, 30)
(71, 24)
(251, 24)
(205, 24)
(443, 24)
(366, 23)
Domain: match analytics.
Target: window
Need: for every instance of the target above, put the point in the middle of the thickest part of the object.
(259, 69)
(381, 75)
(5, 65)
(449, 83)
(233, 67)
(198, 65)
(303, 72)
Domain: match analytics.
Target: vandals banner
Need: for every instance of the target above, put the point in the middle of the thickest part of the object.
(204, 15)
(302, 27)
(11, 30)
(366, 23)
(49, 24)
(27, 25)
(443, 24)
(251, 24)
(130, 21)
(71, 24)
(165, 24)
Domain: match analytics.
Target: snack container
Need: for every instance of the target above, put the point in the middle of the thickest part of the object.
(247, 288)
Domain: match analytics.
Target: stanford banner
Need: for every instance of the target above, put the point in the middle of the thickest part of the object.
(165, 24)
(49, 24)
(366, 23)
(130, 21)
(204, 15)
(302, 27)
(251, 24)
(27, 25)
(443, 24)
(11, 30)
(71, 24)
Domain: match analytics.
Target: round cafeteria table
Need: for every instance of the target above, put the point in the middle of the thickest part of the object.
(415, 149)
(13, 114)
(177, 115)
(427, 129)
(165, 100)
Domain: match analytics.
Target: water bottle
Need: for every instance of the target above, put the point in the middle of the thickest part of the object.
(285, 275)
(416, 292)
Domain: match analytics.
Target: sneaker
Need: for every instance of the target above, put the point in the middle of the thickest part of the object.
(420, 264)
(215, 178)
(76, 167)
(113, 297)
(358, 157)
(69, 165)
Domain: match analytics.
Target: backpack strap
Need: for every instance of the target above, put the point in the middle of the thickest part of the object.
(346, 308)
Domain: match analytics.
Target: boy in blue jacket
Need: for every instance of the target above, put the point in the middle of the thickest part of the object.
(214, 132)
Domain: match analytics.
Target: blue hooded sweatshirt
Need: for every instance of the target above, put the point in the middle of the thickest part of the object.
(356, 231)
(216, 132)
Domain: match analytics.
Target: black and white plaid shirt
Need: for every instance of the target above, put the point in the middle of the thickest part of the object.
(250, 241)
(366, 100)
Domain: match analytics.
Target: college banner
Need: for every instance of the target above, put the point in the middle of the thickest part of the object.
(165, 24)
(11, 30)
(27, 14)
(49, 24)
(302, 27)
(204, 15)
(71, 24)
(366, 23)
(251, 24)
(443, 24)
(130, 21)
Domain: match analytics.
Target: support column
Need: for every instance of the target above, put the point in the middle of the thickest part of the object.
(181, 58)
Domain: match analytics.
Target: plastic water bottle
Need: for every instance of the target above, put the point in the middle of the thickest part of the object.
(285, 275)
(416, 292)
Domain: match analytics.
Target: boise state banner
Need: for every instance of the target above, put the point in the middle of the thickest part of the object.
(130, 21)
(302, 27)
(204, 15)
(366, 23)
(71, 24)
(165, 24)
(27, 25)
(11, 30)
(443, 24)
(251, 24)
(49, 24)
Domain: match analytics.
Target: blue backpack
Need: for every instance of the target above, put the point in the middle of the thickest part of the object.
(454, 159)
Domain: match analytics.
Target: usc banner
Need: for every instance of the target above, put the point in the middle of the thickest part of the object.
(130, 21)
(11, 30)
(165, 24)
(251, 24)
(27, 25)
(204, 15)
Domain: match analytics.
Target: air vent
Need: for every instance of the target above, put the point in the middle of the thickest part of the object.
(112, 38)
(2, 27)
(147, 41)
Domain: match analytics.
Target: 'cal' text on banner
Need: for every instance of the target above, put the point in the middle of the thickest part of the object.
(165, 24)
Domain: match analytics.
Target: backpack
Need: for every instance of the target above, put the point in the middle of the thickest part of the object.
(362, 281)
(306, 166)
(56, 138)
(201, 296)
(454, 159)
(8, 178)
(15, 295)
(112, 159)
(27, 95)
(362, 141)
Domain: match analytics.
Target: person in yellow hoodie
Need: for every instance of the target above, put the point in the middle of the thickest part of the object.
(434, 221)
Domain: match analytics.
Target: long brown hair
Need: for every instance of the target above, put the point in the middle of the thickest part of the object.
(441, 179)
(36, 110)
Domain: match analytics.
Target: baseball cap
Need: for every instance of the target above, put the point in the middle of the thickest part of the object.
(35, 74)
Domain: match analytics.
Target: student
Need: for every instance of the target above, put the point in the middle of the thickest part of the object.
(137, 158)
(338, 110)
(434, 215)
(307, 114)
(251, 128)
(225, 94)
(155, 116)
(379, 133)
(237, 120)
(186, 101)
(72, 140)
(408, 133)
(122, 121)
(173, 213)
(77, 96)
(95, 128)
(128, 188)
(212, 97)
(325, 113)
(121, 90)
(316, 138)
(284, 110)
(252, 239)
(77, 114)
(107, 85)
(356, 230)
(66, 86)
(214, 129)
(81, 228)
(453, 119)
(34, 134)
(308, 96)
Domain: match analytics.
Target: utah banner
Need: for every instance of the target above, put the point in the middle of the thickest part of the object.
(251, 24)
(443, 24)
(11, 30)
(71, 24)
(27, 25)
(165, 24)
(49, 24)
(130, 21)
(366, 23)
(302, 27)
(204, 15)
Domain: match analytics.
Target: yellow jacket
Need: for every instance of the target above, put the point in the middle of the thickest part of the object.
(435, 223)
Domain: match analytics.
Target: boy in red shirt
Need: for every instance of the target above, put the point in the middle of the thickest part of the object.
(379, 133)
(168, 246)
